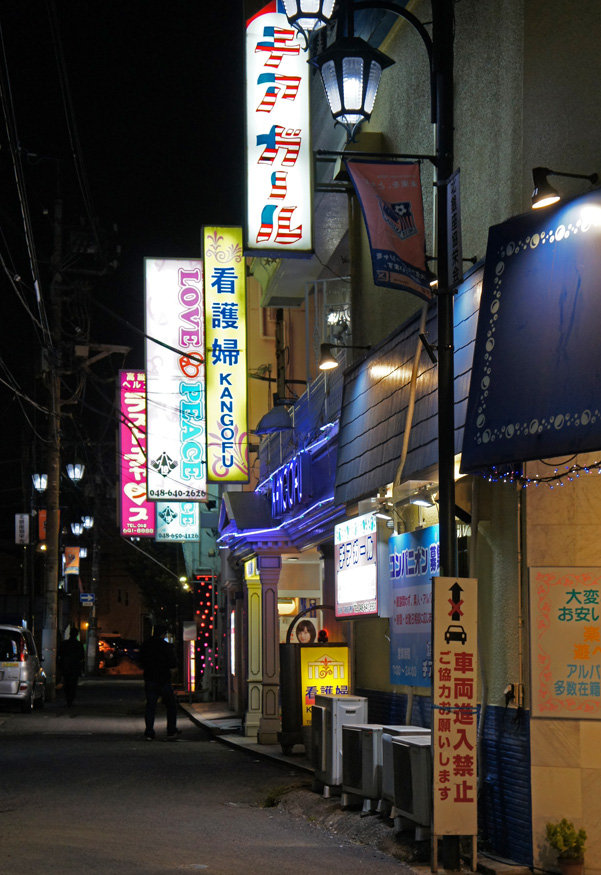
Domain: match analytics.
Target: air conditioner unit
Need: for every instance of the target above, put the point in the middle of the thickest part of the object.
(328, 715)
(407, 776)
(362, 759)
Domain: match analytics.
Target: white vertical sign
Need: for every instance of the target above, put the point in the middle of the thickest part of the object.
(278, 140)
(175, 377)
(454, 696)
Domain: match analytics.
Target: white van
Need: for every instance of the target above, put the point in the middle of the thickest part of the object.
(22, 679)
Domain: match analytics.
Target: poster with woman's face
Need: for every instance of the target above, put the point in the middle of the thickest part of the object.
(306, 632)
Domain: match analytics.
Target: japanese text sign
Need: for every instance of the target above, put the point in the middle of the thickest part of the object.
(175, 378)
(324, 671)
(226, 362)
(278, 145)
(137, 513)
(356, 564)
(454, 702)
(565, 611)
(414, 561)
(178, 521)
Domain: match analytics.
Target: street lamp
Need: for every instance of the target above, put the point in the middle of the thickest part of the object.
(77, 528)
(75, 471)
(40, 482)
(87, 521)
(350, 71)
(439, 48)
(308, 15)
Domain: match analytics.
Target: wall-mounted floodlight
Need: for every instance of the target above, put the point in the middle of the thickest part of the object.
(544, 194)
(327, 361)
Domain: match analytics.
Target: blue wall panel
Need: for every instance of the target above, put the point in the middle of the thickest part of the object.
(505, 809)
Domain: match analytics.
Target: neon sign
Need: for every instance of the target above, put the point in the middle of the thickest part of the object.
(287, 485)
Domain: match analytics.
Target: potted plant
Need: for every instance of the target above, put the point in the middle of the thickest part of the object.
(569, 844)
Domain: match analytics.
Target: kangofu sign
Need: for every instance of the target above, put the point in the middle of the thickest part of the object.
(278, 144)
(175, 375)
(136, 512)
(226, 370)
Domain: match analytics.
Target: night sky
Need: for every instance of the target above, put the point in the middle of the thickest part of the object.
(155, 100)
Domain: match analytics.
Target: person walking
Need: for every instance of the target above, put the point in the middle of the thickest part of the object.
(71, 658)
(157, 658)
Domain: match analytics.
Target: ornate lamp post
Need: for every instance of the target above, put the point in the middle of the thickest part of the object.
(350, 76)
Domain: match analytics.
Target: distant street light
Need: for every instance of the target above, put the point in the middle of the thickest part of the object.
(40, 482)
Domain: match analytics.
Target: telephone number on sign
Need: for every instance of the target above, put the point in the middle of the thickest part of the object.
(176, 493)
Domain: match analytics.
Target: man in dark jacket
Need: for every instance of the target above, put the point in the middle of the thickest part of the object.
(71, 656)
(157, 657)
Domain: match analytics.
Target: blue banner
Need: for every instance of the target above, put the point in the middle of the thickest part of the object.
(536, 379)
(414, 561)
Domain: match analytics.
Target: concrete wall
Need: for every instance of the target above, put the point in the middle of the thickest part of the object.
(563, 529)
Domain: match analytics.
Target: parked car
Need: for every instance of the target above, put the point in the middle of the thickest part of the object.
(22, 678)
(112, 649)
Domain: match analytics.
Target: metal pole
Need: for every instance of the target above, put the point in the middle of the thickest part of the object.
(49, 631)
(442, 60)
(442, 34)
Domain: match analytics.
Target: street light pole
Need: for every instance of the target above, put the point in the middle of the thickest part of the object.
(49, 631)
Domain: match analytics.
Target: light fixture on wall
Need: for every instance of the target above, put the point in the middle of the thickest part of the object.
(327, 361)
(544, 194)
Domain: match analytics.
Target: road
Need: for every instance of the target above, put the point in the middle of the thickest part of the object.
(81, 791)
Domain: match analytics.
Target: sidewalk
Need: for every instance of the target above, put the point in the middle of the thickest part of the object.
(328, 813)
(227, 726)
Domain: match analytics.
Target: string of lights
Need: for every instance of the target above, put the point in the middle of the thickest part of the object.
(560, 475)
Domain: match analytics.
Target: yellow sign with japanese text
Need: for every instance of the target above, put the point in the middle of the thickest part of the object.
(565, 616)
(324, 671)
(226, 355)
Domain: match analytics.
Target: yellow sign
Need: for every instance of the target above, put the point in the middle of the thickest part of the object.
(324, 671)
(226, 366)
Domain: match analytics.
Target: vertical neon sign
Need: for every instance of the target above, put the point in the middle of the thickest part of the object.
(175, 375)
(278, 145)
(137, 513)
(226, 365)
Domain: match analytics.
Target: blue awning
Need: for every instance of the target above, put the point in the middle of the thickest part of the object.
(376, 398)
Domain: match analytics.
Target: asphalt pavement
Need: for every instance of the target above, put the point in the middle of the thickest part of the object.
(82, 791)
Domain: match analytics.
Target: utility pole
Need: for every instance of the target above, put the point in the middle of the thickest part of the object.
(49, 631)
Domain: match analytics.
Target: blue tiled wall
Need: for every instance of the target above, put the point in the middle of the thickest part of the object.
(504, 814)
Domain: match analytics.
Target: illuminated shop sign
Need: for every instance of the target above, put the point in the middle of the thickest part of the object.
(278, 176)
(414, 561)
(226, 365)
(137, 513)
(178, 521)
(289, 485)
(356, 563)
(324, 671)
(175, 375)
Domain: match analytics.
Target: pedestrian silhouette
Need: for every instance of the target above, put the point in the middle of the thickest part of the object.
(71, 658)
(157, 658)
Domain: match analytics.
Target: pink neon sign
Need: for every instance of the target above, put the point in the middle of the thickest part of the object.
(137, 513)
